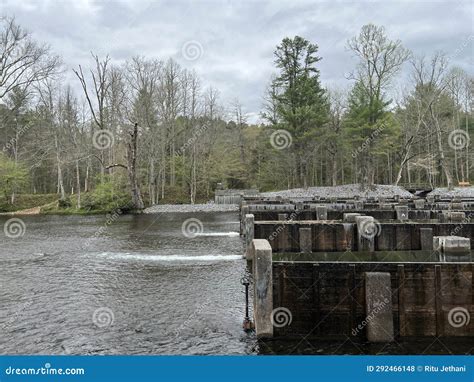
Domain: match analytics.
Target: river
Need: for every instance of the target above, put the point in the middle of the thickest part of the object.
(132, 285)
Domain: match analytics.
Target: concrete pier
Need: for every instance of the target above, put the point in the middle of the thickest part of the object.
(452, 245)
(263, 287)
(366, 230)
(402, 212)
(378, 305)
(322, 212)
(419, 204)
(350, 217)
(426, 239)
(452, 216)
(306, 240)
(244, 210)
(249, 228)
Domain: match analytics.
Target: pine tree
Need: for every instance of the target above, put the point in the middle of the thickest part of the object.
(301, 102)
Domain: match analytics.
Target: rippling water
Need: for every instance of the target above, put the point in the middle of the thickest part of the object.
(166, 293)
(137, 285)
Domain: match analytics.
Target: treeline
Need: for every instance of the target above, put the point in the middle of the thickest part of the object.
(149, 131)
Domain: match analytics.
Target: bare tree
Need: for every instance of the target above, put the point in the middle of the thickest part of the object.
(143, 78)
(240, 122)
(48, 94)
(22, 60)
(338, 105)
(169, 102)
(431, 83)
(101, 85)
(132, 153)
(380, 60)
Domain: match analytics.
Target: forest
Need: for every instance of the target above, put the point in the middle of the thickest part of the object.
(148, 131)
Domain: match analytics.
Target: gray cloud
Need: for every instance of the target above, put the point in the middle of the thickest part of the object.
(238, 37)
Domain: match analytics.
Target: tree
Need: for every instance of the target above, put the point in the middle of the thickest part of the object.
(301, 104)
(132, 149)
(13, 177)
(23, 61)
(334, 132)
(380, 59)
(430, 89)
(143, 78)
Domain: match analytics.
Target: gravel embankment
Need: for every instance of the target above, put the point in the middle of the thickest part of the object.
(456, 192)
(209, 207)
(346, 191)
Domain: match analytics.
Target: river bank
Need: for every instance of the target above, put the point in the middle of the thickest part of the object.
(49, 204)
(53, 209)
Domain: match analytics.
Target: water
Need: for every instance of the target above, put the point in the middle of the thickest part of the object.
(137, 285)
(167, 294)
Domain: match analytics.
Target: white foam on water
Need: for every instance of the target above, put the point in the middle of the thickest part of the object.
(167, 258)
(229, 234)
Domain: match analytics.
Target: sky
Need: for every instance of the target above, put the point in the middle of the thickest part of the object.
(230, 44)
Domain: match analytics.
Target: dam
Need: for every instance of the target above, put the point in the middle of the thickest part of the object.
(365, 269)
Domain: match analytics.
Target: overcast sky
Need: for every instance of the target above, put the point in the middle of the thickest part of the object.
(231, 43)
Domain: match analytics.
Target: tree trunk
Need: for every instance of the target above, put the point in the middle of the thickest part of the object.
(78, 182)
(151, 181)
(334, 169)
(193, 175)
(60, 173)
(442, 160)
(137, 201)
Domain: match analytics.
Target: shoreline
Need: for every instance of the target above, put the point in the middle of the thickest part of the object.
(156, 209)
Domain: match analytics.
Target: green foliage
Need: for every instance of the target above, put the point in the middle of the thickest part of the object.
(108, 195)
(364, 113)
(298, 102)
(65, 203)
(301, 101)
(13, 177)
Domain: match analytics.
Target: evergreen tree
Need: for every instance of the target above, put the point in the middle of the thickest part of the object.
(301, 102)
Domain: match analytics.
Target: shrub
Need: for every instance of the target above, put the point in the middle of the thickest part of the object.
(107, 196)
